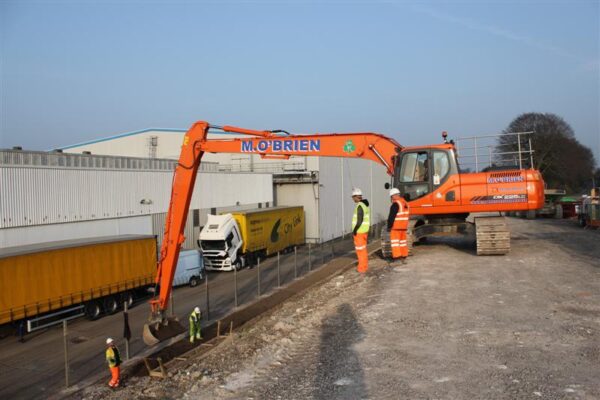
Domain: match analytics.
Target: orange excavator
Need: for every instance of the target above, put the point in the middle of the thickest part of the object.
(440, 197)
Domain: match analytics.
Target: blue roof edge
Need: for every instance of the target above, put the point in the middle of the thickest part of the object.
(131, 134)
(123, 135)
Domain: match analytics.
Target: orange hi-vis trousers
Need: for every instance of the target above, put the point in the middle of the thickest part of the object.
(398, 242)
(115, 373)
(360, 245)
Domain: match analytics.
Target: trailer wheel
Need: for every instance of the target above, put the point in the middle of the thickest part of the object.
(194, 280)
(127, 297)
(110, 305)
(92, 310)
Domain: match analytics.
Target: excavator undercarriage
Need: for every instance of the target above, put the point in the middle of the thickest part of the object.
(490, 233)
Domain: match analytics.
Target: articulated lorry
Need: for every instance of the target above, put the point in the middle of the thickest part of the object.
(235, 240)
(68, 278)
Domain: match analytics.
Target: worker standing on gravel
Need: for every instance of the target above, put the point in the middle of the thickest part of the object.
(195, 333)
(113, 357)
(398, 225)
(361, 222)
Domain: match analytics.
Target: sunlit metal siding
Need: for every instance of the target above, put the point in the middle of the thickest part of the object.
(337, 177)
(158, 228)
(37, 195)
(24, 235)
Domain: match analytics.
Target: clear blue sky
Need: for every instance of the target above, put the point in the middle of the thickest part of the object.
(78, 70)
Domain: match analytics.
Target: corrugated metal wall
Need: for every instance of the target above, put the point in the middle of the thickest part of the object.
(24, 235)
(158, 227)
(337, 177)
(38, 196)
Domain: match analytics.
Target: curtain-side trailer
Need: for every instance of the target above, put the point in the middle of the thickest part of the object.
(94, 276)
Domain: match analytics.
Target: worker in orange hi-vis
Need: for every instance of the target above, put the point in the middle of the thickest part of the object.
(361, 222)
(113, 358)
(398, 225)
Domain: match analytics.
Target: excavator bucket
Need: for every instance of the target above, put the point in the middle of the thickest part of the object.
(156, 332)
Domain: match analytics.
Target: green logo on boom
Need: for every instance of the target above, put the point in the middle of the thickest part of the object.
(349, 147)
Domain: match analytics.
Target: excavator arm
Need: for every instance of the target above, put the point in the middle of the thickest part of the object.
(371, 146)
(268, 144)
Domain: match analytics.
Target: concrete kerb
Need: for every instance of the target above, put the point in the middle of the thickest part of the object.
(241, 316)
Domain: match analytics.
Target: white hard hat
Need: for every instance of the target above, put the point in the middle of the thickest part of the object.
(394, 191)
(109, 340)
(197, 310)
(356, 192)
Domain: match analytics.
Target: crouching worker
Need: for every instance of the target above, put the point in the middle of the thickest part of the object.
(195, 333)
(113, 358)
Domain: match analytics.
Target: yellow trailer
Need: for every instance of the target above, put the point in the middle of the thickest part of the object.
(234, 240)
(99, 273)
(269, 230)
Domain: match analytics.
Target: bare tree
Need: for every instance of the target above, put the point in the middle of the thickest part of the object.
(563, 161)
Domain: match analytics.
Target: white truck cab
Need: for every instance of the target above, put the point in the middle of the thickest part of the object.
(221, 243)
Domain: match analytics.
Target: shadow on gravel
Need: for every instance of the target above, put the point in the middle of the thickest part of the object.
(339, 373)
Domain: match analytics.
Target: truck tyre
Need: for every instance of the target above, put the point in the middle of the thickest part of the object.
(110, 305)
(194, 280)
(92, 310)
(127, 297)
(237, 264)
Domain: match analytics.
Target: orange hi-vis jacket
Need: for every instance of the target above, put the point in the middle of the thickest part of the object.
(402, 216)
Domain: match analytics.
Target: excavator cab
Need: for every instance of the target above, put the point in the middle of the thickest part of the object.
(420, 172)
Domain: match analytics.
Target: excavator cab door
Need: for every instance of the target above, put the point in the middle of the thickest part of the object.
(445, 179)
(413, 175)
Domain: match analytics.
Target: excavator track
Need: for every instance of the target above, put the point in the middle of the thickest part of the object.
(492, 235)
(386, 245)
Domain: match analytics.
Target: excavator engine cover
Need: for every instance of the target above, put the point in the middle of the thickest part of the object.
(158, 331)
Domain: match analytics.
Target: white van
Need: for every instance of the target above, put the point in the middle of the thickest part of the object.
(190, 268)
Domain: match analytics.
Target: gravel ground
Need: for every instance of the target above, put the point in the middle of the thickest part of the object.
(448, 325)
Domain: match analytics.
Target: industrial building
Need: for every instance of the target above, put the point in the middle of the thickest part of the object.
(57, 196)
(322, 185)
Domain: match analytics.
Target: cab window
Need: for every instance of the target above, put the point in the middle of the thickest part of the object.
(413, 180)
(415, 168)
(441, 166)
